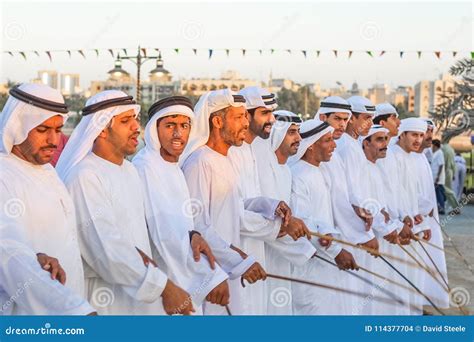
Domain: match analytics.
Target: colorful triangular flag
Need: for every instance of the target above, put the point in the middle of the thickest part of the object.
(401, 54)
(382, 53)
(418, 53)
(243, 52)
(438, 54)
(81, 53)
(349, 54)
(49, 55)
(304, 53)
(210, 53)
(112, 53)
(176, 50)
(23, 54)
(195, 52)
(318, 53)
(69, 53)
(144, 52)
(455, 53)
(369, 53)
(227, 52)
(335, 53)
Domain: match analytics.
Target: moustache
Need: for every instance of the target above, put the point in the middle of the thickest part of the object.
(49, 146)
(383, 149)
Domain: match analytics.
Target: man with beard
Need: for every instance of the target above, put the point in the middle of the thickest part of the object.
(412, 131)
(34, 200)
(260, 105)
(348, 218)
(221, 122)
(275, 182)
(310, 199)
(121, 278)
(429, 209)
(385, 226)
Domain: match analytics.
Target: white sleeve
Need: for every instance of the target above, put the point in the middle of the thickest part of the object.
(21, 273)
(199, 186)
(104, 248)
(258, 219)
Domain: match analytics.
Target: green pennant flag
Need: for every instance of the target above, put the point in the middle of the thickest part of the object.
(23, 54)
(124, 52)
(419, 54)
(97, 52)
(112, 52)
(318, 53)
(227, 52)
(272, 51)
(369, 53)
(472, 54)
(261, 51)
(36, 53)
(176, 50)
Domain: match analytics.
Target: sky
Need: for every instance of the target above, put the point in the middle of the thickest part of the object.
(325, 26)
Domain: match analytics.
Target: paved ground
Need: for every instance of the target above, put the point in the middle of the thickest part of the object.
(460, 229)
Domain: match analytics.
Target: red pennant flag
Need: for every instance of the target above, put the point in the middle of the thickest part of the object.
(382, 53)
(335, 52)
(81, 53)
(112, 53)
(49, 55)
(438, 54)
(350, 54)
(144, 51)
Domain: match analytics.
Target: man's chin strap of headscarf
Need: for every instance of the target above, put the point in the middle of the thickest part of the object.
(284, 120)
(27, 107)
(96, 115)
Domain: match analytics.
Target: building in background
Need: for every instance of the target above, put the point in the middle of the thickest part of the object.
(70, 84)
(229, 79)
(428, 94)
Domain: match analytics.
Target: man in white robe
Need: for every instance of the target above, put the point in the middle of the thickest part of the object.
(170, 224)
(32, 196)
(121, 278)
(260, 105)
(221, 122)
(385, 226)
(429, 209)
(275, 182)
(31, 283)
(310, 200)
(410, 138)
(351, 220)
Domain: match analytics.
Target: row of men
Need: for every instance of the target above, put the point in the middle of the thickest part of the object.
(225, 192)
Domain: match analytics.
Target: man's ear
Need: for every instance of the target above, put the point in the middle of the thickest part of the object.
(217, 121)
(323, 117)
(103, 134)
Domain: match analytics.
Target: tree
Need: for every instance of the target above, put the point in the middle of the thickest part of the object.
(455, 113)
(303, 101)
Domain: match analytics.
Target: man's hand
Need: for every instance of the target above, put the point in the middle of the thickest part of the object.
(418, 219)
(325, 242)
(296, 228)
(427, 235)
(283, 211)
(176, 300)
(146, 259)
(408, 221)
(373, 245)
(199, 245)
(220, 294)
(392, 237)
(364, 215)
(345, 261)
(238, 250)
(385, 215)
(431, 213)
(52, 265)
(255, 273)
(405, 235)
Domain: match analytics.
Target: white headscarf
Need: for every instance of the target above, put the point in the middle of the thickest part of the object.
(320, 128)
(360, 104)
(82, 138)
(374, 129)
(258, 97)
(152, 142)
(18, 118)
(384, 109)
(413, 125)
(333, 104)
(208, 103)
(284, 120)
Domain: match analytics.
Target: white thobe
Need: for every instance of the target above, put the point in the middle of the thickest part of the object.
(27, 289)
(281, 254)
(406, 166)
(311, 201)
(213, 189)
(111, 224)
(427, 203)
(254, 231)
(379, 194)
(170, 219)
(38, 205)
